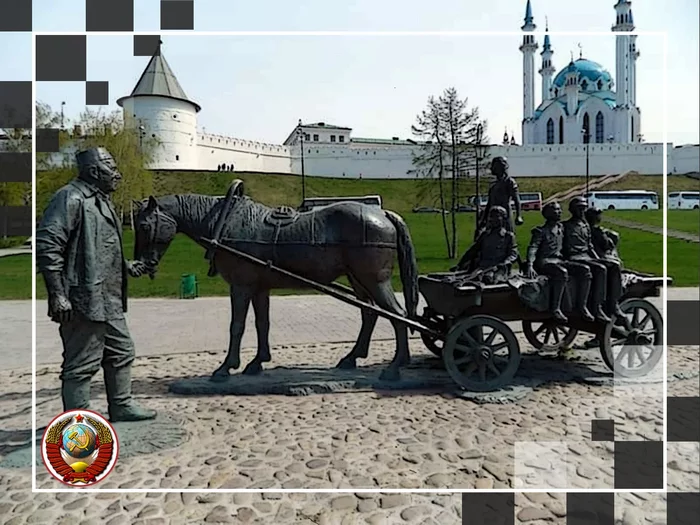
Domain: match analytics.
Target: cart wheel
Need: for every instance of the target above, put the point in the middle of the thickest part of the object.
(549, 336)
(633, 352)
(433, 344)
(481, 353)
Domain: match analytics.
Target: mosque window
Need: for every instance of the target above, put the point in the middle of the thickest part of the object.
(556, 92)
(586, 128)
(600, 84)
(599, 128)
(550, 131)
(584, 84)
(315, 138)
(174, 116)
(341, 138)
(177, 157)
(332, 138)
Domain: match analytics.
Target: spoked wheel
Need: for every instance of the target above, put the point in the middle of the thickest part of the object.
(549, 336)
(633, 350)
(481, 353)
(431, 342)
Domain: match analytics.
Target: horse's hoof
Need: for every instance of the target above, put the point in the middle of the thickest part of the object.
(390, 374)
(253, 369)
(347, 364)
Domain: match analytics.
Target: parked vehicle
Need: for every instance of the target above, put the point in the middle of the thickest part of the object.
(684, 200)
(531, 201)
(624, 200)
(318, 202)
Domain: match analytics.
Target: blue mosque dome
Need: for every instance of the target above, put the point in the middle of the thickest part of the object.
(587, 69)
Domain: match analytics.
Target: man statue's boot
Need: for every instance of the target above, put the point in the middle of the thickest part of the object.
(121, 403)
(75, 394)
(584, 288)
(557, 293)
(597, 300)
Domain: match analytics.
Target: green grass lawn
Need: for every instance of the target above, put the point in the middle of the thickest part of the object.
(16, 277)
(641, 250)
(681, 220)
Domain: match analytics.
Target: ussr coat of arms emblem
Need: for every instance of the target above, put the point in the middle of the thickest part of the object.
(79, 448)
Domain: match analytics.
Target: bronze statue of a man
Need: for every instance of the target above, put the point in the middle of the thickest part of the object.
(493, 253)
(80, 255)
(501, 192)
(544, 256)
(578, 246)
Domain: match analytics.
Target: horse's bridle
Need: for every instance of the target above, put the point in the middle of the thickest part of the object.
(154, 238)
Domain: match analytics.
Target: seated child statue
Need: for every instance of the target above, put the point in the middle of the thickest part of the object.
(544, 256)
(604, 241)
(490, 258)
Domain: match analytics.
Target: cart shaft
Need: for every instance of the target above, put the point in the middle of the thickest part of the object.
(337, 291)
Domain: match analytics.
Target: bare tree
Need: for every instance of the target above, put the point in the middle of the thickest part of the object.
(448, 128)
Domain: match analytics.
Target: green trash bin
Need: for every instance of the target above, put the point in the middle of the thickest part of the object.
(188, 286)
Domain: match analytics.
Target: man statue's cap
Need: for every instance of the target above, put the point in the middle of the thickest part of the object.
(91, 156)
(500, 160)
(593, 212)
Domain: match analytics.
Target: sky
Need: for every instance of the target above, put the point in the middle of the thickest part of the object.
(258, 87)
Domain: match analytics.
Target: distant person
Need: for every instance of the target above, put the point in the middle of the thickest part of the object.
(80, 255)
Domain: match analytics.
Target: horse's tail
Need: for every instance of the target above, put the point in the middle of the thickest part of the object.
(408, 266)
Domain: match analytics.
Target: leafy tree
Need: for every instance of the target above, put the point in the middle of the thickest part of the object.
(448, 130)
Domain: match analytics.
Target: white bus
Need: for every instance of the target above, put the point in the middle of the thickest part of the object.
(624, 200)
(318, 202)
(684, 200)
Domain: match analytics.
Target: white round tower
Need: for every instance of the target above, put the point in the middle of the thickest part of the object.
(164, 116)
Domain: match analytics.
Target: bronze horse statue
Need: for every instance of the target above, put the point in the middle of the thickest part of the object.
(346, 238)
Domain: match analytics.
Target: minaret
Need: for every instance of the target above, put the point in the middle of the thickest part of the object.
(528, 48)
(547, 69)
(571, 88)
(624, 71)
(505, 137)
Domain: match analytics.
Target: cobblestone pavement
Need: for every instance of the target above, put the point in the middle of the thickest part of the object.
(157, 325)
(357, 440)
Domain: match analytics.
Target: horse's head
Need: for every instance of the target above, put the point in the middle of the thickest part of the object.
(154, 230)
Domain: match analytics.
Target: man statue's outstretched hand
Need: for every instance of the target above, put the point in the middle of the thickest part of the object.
(136, 268)
(530, 272)
(60, 309)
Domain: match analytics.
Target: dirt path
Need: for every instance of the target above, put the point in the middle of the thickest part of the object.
(686, 236)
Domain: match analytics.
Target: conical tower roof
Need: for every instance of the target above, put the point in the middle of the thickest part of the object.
(159, 80)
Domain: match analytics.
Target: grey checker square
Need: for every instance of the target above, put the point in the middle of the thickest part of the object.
(639, 465)
(61, 58)
(16, 15)
(491, 508)
(47, 140)
(16, 167)
(589, 508)
(682, 508)
(96, 93)
(16, 106)
(146, 45)
(177, 14)
(109, 15)
(683, 419)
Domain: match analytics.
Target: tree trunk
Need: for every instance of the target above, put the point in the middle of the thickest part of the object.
(442, 203)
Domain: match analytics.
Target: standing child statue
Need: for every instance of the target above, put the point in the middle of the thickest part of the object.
(501, 192)
(544, 256)
(80, 255)
(493, 253)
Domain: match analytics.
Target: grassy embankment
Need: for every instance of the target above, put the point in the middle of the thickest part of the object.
(641, 250)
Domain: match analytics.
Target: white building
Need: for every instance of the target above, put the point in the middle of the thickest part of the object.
(583, 95)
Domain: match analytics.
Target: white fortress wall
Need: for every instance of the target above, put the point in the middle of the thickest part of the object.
(245, 155)
(545, 160)
(684, 159)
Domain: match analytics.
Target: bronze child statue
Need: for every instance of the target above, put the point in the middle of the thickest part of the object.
(494, 251)
(604, 241)
(607, 275)
(80, 255)
(501, 192)
(544, 256)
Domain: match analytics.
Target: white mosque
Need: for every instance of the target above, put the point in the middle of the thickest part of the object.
(582, 108)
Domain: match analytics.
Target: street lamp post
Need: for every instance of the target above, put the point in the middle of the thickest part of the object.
(300, 136)
(587, 141)
(479, 137)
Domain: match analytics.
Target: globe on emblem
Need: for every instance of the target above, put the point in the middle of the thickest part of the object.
(79, 440)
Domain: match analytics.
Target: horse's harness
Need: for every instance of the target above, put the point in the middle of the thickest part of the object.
(279, 217)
